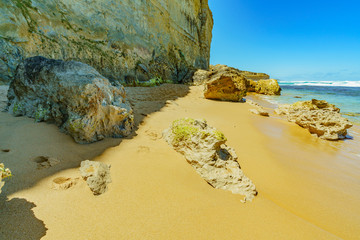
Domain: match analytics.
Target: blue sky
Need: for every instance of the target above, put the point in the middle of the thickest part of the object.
(290, 40)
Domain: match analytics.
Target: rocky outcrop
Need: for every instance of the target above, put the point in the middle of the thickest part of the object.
(314, 104)
(268, 87)
(10, 58)
(4, 173)
(73, 95)
(96, 175)
(225, 83)
(124, 40)
(254, 76)
(205, 150)
(319, 117)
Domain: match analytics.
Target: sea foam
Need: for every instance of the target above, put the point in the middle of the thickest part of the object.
(322, 83)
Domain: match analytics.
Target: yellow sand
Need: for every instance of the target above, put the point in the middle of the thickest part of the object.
(308, 188)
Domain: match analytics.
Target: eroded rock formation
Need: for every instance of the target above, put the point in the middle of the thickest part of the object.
(204, 148)
(73, 95)
(124, 40)
(231, 84)
(96, 175)
(224, 83)
(268, 87)
(319, 117)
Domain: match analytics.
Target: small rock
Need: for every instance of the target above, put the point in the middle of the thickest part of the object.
(5, 150)
(96, 175)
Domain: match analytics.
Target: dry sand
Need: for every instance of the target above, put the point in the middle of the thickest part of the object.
(308, 188)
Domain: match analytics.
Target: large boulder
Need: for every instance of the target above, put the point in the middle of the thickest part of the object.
(231, 84)
(96, 175)
(319, 117)
(225, 83)
(73, 95)
(268, 87)
(205, 150)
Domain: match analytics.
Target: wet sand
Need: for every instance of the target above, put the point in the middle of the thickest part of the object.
(307, 188)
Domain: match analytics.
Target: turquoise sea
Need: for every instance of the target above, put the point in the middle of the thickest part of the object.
(344, 94)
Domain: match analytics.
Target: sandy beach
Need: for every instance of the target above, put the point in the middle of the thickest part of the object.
(308, 188)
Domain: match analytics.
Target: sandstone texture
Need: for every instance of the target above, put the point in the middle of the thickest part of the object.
(96, 175)
(205, 150)
(124, 40)
(4, 173)
(254, 76)
(200, 77)
(268, 87)
(319, 117)
(231, 84)
(225, 83)
(73, 95)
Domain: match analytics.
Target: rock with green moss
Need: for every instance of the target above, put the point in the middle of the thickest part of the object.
(72, 95)
(4, 173)
(152, 82)
(205, 150)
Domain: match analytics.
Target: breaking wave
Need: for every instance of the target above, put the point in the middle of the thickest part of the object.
(322, 83)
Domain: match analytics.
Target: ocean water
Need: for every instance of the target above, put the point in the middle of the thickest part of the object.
(344, 94)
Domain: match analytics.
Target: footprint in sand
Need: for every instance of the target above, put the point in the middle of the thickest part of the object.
(63, 183)
(143, 149)
(45, 162)
(153, 134)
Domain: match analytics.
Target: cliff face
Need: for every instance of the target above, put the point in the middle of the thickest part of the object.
(123, 39)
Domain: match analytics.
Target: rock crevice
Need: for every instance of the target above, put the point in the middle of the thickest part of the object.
(170, 38)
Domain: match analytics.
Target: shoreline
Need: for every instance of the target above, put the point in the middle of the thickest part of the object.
(347, 147)
(305, 190)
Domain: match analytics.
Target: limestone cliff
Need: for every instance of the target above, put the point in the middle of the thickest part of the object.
(125, 40)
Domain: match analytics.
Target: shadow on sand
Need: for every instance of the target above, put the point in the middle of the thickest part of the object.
(17, 220)
(26, 140)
